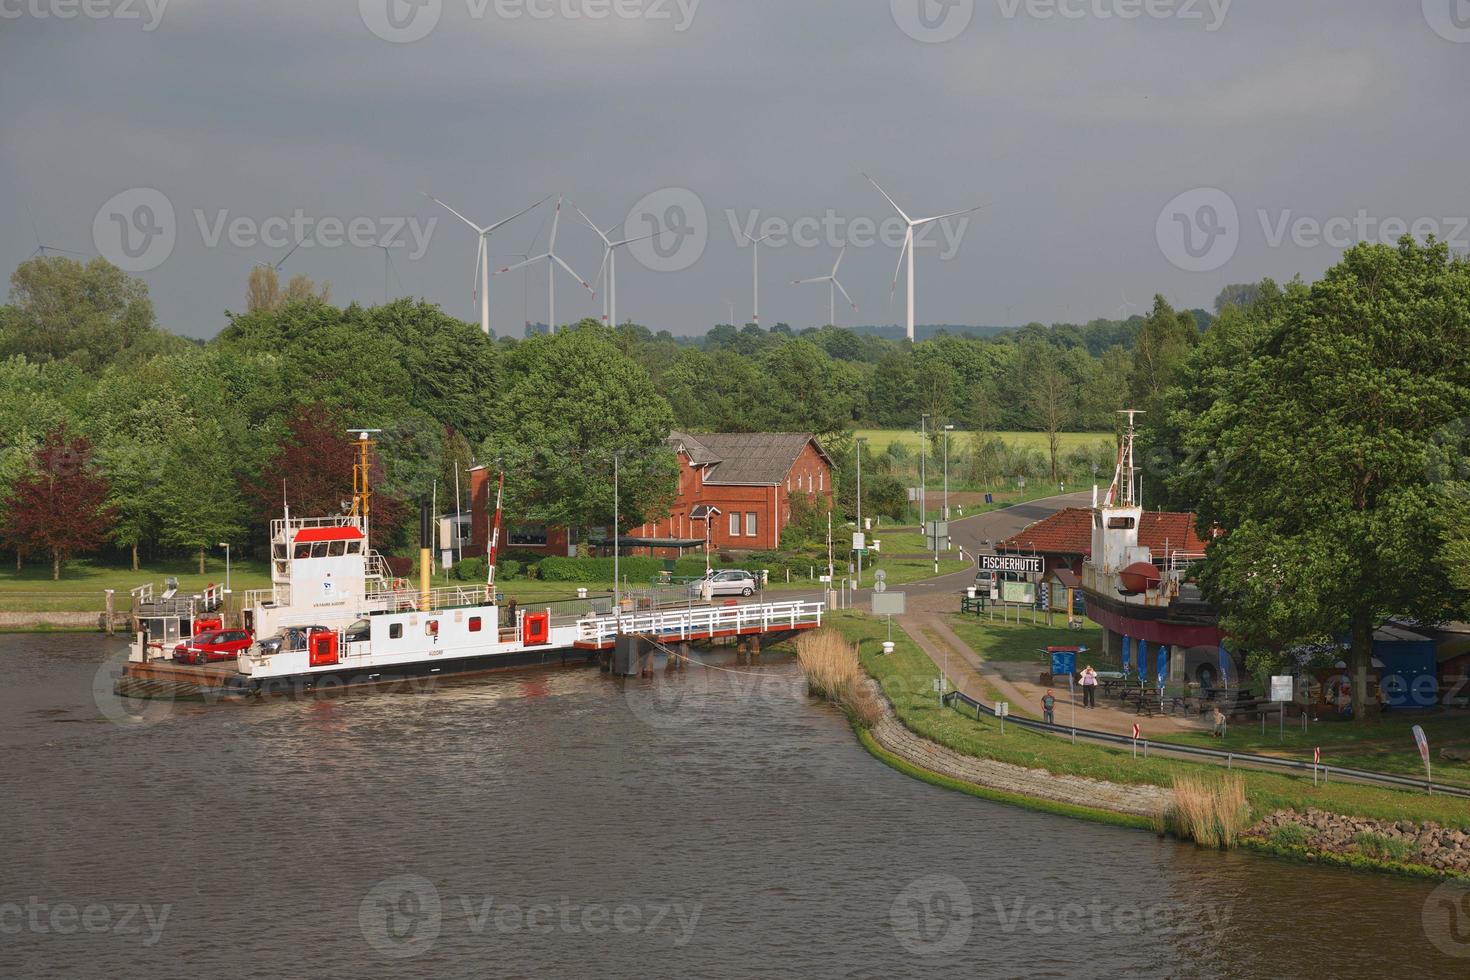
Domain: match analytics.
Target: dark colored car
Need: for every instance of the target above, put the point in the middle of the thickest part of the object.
(212, 645)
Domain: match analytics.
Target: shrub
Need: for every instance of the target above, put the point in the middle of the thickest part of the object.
(1289, 835)
(1211, 811)
(1381, 846)
(558, 569)
(509, 568)
(834, 673)
(470, 570)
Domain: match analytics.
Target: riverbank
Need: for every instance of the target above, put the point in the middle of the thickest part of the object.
(907, 678)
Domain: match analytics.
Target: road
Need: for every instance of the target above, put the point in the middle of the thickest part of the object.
(975, 535)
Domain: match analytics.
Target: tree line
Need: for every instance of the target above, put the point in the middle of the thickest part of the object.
(197, 442)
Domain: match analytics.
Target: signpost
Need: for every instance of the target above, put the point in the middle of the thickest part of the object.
(889, 604)
(1281, 692)
(1002, 711)
(1136, 732)
(1316, 761)
(1423, 743)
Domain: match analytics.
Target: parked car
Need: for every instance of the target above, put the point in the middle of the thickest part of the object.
(729, 581)
(212, 645)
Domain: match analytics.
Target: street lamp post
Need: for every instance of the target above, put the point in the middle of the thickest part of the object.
(947, 430)
(617, 580)
(859, 442)
(226, 545)
(923, 478)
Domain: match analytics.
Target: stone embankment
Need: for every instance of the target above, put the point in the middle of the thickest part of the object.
(1139, 800)
(1443, 849)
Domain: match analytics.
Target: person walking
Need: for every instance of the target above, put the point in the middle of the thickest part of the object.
(1089, 687)
(1049, 708)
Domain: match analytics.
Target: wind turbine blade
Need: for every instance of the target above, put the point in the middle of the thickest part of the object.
(453, 212)
(555, 221)
(838, 284)
(907, 241)
(890, 200)
(803, 282)
(606, 254)
(836, 265)
(479, 258)
(630, 241)
(952, 214)
(513, 217)
(521, 265)
(600, 233)
(288, 255)
(573, 274)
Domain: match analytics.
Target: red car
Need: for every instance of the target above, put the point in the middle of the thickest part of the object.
(212, 645)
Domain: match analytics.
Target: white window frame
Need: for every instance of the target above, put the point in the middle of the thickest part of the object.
(751, 524)
(734, 523)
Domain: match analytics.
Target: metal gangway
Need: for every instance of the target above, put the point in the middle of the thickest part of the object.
(600, 632)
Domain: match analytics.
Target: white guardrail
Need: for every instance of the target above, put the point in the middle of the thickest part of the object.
(702, 620)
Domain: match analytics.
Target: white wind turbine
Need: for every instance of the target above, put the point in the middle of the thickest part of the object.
(609, 271)
(833, 287)
(482, 257)
(908, 245)
(552, 261)
(755, 274)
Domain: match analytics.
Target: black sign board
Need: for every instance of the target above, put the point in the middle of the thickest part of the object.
(1024, 564)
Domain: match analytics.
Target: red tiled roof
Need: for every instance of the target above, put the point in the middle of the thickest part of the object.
(1069, 532)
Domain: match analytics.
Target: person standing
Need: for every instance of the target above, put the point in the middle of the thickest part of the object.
(1049, 708)
(1089, 687)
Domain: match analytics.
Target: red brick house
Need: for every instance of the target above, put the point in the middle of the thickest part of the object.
(739, 484)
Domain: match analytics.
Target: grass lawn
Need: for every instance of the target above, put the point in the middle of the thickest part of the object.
(84, 579)
(907, 678)
(880, 439)
(1014, 642)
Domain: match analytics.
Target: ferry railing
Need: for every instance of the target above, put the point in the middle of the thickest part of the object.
(410, 599)
(1211, 755)
(683, 624)
(281, 525)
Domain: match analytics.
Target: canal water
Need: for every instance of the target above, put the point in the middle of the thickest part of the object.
(712, 822)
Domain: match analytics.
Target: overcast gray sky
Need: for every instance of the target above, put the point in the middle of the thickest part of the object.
(1079, 123)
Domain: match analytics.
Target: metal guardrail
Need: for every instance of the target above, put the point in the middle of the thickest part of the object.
(703, 620)
(1215, 755)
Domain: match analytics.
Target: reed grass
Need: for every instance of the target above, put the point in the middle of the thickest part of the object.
(834, 673)
(1210, 810)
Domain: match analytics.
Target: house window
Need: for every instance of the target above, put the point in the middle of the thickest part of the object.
(822, 481)
(474, 624)
(395, 631)
(750, 524)
(734, 525)
(531, 536)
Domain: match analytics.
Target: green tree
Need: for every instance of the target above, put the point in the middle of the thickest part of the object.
(1326, 454)
(1160, 350)
(202, 504)
(86, 315)
(570, 402)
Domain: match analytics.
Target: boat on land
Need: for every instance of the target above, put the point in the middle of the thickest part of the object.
(335, 616)
(1145, 597)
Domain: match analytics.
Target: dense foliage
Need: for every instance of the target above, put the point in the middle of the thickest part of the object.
(201, 442)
